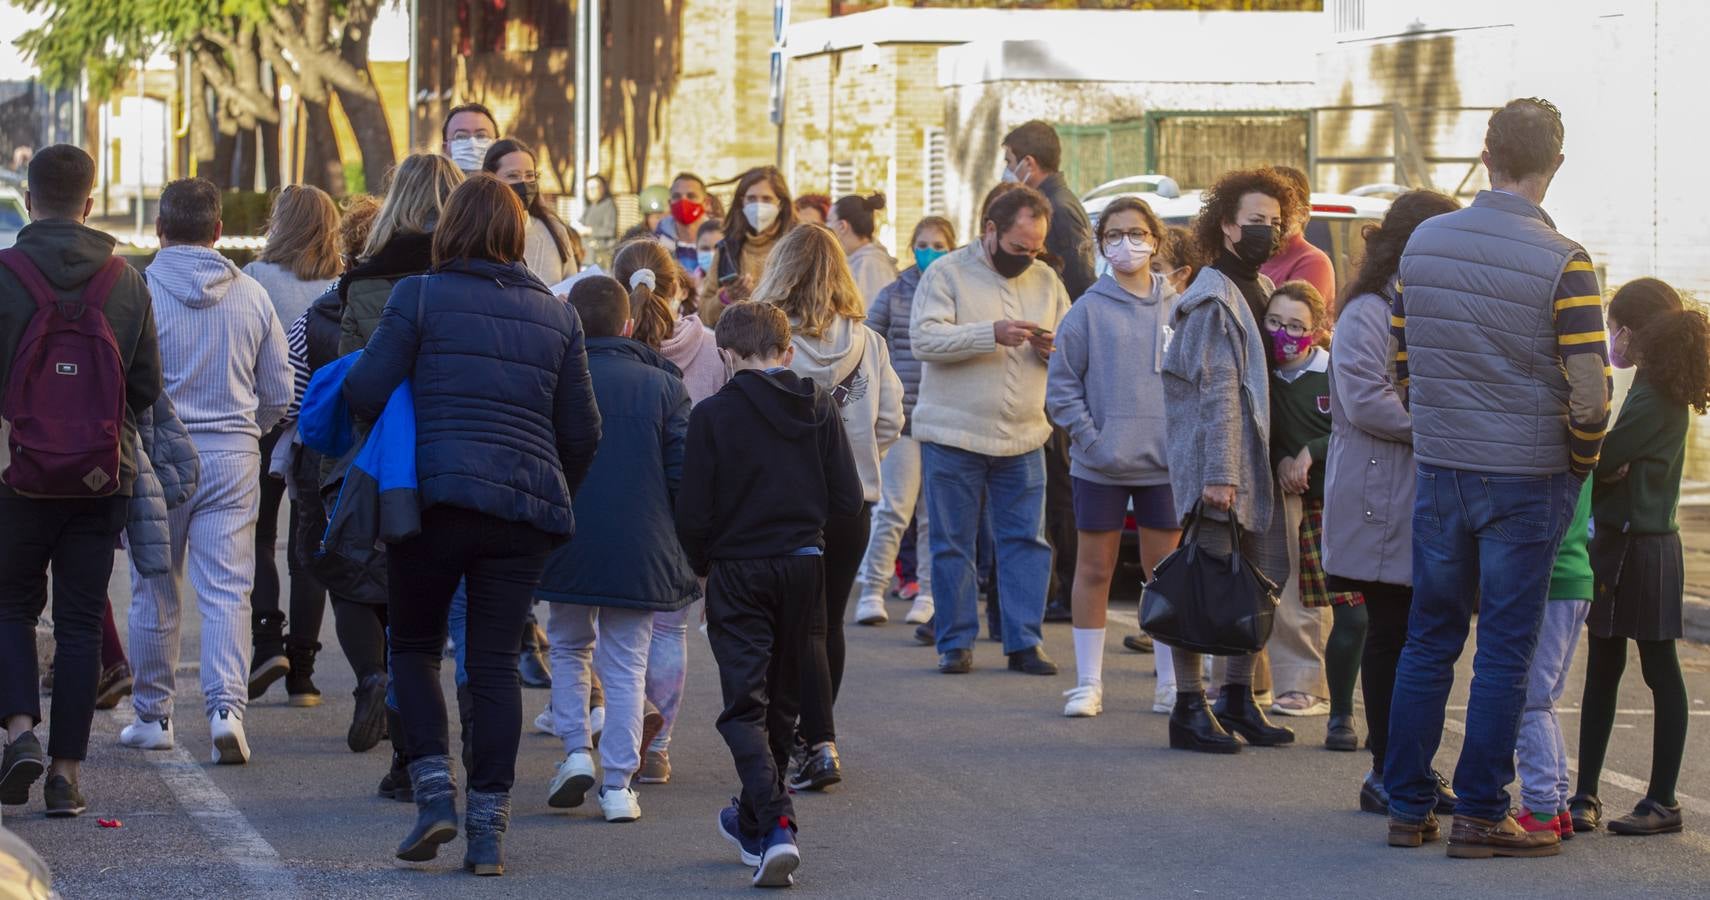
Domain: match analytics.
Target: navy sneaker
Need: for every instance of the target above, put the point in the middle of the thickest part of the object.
(780, 858)
(729, 820)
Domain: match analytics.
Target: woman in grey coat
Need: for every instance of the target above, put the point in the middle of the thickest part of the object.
(1217, 398)
(1369, 483)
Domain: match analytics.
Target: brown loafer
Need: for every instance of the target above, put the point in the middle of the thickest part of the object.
(1483, 838)
(1412, 834)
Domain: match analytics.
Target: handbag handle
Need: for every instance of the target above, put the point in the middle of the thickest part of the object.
(1190, 532)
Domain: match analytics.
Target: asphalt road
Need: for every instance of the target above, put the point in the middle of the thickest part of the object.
(970, 786)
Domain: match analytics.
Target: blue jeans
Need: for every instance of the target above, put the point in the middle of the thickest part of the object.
(1493, 539)
(961, 481)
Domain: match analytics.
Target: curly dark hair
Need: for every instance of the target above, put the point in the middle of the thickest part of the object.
(1386, 240)
(1671, 340)
(1223, 199)
(1181, 249)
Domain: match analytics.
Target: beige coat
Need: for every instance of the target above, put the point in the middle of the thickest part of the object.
(974, 394)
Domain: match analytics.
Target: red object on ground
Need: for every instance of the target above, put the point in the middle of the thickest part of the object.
(109, 823)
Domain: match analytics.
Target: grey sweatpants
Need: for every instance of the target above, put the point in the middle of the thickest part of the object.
(213, 538)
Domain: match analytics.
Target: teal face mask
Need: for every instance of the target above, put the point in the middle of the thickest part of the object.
(924, 257)
(704, 258)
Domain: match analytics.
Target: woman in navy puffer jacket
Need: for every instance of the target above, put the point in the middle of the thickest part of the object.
(506, 428)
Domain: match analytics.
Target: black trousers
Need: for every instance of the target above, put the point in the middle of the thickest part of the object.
(1387, 606)
(501, 562)
(361, 629)
(759, 615)
(822, 672)
(308, 598)
(76, 538)
(1060, 517)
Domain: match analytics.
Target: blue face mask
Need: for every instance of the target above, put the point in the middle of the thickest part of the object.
(704, 259)
(924, 257)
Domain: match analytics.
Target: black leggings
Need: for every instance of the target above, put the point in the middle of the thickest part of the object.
(1387, 606)
(822, 676)
(1605, 660)
(305, 521)
(361, 631)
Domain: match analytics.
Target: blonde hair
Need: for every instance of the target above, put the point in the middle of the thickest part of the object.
(807, 276)
(420, 186)
(302, 233)
(653, 320)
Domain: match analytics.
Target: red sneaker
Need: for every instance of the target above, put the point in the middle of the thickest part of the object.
(1530, 821)
(1564, 824)
(909, 591)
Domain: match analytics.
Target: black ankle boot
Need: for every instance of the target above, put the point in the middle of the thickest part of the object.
(489, 816)
(1192, 727)
(1236, 711)
(396, 784)
(435, 789)
(1340, 735)
(300, 681)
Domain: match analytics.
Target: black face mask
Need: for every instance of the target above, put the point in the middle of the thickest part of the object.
(1007, 264)
(526, 191)
(1257, 243)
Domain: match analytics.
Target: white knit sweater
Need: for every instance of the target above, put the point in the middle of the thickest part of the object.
(974, 394)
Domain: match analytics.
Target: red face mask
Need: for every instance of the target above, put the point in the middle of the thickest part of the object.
(687, 212)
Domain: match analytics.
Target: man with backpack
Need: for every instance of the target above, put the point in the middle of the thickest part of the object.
(71, 385)
(223, 354)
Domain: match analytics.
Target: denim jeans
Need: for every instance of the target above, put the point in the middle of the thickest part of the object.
(1493, 538)
(961, 481)
(1542, 753)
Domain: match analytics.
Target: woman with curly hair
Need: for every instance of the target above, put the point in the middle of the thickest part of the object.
(1369, 483)
(1635, 551)
(1217, 395)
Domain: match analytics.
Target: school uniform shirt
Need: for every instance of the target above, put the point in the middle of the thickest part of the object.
(1300, 416)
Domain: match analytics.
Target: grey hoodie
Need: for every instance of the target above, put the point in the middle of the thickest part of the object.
(222, 349)
(871, 406)
(1105, 385)
(1217, 391)
(873, 269)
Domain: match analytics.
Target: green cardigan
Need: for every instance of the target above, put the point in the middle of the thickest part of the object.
(1650, 439)
(1571, 578)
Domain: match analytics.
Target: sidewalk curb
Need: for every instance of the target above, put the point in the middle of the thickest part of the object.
(1697, 615)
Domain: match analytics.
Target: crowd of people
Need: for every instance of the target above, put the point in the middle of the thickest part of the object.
(750, 418)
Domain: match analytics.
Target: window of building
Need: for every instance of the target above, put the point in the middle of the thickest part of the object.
(842, 179)
(935, 164)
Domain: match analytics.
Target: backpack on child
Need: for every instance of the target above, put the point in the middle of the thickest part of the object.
(63, 414)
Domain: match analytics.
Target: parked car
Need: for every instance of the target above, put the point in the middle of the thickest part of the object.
(12, 216)
(1337, 224)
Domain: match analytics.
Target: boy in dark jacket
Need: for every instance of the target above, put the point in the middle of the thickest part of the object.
(767, 462)
(624, 564)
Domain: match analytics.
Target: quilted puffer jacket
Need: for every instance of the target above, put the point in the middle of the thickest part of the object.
(168, 471)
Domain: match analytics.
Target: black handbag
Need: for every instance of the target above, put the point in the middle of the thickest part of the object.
(1205, 603)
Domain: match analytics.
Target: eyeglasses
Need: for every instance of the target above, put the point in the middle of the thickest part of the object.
(1293, 329)
(1135, 237)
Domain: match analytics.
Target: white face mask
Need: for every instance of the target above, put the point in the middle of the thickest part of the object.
(469, 152)
(760, 215)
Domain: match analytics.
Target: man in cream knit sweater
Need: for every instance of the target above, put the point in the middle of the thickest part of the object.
(982, 325)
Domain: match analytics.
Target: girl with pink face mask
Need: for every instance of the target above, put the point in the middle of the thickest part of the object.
(1314, 663)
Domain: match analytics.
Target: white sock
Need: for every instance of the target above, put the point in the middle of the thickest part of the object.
(1165, 663)
(1089, 654)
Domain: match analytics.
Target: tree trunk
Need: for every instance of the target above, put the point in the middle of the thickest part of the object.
(243, 169)
(321, 164)
(225, 151)
(201, 125)
(367, 116)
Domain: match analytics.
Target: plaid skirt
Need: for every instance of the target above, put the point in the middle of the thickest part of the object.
(1314, 588)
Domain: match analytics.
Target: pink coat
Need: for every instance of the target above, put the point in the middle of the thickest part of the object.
(693, 349)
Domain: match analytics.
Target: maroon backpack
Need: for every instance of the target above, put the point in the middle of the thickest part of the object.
(64, 408)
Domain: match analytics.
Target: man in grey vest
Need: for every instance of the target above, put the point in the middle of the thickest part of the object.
(1505, 353)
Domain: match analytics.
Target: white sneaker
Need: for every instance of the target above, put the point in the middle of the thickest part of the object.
(921, 612)
(1300, 703)
(871, 610)
(620, 804)
(596, 724)
(1164, 698)
(231, 748)
(147, 735)
(1085, 701)
(543, 722)
(570, 785)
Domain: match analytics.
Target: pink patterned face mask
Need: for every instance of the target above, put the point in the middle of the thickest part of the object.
(1285, 347)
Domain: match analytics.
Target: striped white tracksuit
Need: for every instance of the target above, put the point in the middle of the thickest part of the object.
(224, 361)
